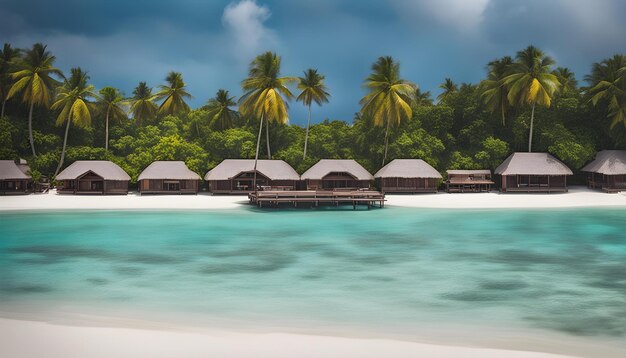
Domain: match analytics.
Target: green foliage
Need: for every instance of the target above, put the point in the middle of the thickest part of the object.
(464, 131)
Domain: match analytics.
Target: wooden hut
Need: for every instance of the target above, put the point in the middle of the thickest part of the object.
(93, 177)
(337, 174)
(468, 181)
(168, 177)
(607, 171)
(236, 176)
(533, 172)
(13, 180)
(408, 176)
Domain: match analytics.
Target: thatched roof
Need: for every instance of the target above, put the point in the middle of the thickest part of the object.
(170, 170)
(468, 172)
(272, 169)
(104, 168)
(407, 168)
(326, 166)
(11, 171)
(532, 164)
(608, 162)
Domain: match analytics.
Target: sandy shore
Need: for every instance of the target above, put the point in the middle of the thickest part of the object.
(28, 339)
(576, 197)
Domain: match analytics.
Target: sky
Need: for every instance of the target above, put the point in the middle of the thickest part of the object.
(211, 42)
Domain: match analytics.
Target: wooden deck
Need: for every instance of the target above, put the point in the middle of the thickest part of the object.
(313, 198)
(535, 189)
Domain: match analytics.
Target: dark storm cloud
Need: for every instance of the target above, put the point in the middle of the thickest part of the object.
(211, 42)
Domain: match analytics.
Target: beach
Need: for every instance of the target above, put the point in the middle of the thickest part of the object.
(101, 336)
(576, 197)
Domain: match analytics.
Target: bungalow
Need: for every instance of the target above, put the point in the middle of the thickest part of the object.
(607, 171)
(236, 176)
(408, 176)
(168, 177)
(533, 172)
(93, 177)
(12, 179)
(475, 181)
(337, 174)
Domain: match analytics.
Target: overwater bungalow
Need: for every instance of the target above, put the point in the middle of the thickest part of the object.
(168, 177)
(607, 171)
(13, 178)
(408, 176)
(93, 177)
(236, 176)
(469, 181)
(337, 174)
(533, 172)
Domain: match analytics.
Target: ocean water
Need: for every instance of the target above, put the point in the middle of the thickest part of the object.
(545, 270)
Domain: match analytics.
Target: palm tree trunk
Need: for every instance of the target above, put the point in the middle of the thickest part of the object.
(267, 138)
(530, 137)
(502, 109)
(4, 102)
(306, 137)
(30, 128)
(256, 156)
(106, 144)
(386, 142)
(67, 129)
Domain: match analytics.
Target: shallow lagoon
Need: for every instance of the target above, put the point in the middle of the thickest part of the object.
(407, 269)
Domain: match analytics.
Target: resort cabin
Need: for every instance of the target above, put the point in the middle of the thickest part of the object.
(408, 176)
(93, 177)
(533, 172)
(236, 176)
(14, 178)
(168, 177)
(331, 174)
(607, 171)
(469, 181)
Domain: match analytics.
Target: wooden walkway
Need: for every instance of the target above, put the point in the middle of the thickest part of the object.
(316, 197)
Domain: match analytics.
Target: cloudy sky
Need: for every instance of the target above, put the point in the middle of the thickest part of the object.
(122, 42)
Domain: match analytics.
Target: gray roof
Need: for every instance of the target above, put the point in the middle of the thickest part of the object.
(174, 170)
(608, 162)
(326, 166)
(9, 170)
(468, 172)
(104, 168)
(407, 168)
(532, 164)
(273, 169)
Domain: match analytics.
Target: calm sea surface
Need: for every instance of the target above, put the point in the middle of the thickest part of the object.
(557, 270)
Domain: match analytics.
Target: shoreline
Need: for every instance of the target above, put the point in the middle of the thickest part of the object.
(577, 197)
(145, 339)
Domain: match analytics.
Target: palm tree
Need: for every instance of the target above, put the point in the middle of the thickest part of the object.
(221, 116)
(566, 78)
(111, 101)
(34, 81)
(173, 95)
(449, 88)
(389, 99)
(422, 98)
(72, 101)
(142, 104)
(313, 89)
(8, 57)
(263, 96)
(531, 82)
(608, 85)
(494, 91)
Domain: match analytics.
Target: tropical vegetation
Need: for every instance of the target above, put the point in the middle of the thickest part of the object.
(524, 102)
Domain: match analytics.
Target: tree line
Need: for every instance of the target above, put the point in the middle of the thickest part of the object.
(524, 103)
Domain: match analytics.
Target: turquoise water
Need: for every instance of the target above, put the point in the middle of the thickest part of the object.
(558, 270)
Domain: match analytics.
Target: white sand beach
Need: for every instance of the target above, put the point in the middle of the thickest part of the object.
(28, 339)
(576, 197)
